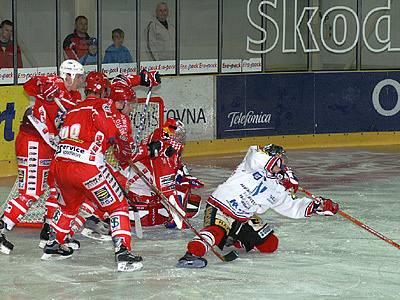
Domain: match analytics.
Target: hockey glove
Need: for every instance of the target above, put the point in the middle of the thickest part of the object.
(325, 207)
(154, 148)
(151, 78)
(184, 178)
(49, 90)
(169, 151)
(289, 180)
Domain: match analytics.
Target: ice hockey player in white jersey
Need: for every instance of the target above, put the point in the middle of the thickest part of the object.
(261, 181)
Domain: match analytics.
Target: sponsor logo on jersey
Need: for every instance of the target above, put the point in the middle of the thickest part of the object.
(70, 150)
(92, 182)
(21, 179)
(22, 161)
(167, 180)
(44, 162)
(257, 176)
(104, 196)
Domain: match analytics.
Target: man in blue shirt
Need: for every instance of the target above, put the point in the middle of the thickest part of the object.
(117, 53)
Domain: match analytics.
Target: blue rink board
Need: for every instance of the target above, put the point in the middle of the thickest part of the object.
(307, 103)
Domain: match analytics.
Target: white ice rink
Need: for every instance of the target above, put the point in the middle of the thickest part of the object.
(323, 257)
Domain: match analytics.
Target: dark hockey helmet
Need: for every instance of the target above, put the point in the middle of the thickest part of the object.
(97, 82)
(272, 150)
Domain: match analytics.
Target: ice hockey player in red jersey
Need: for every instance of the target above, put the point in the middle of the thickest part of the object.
(81, 173)
(168, 173)
(231, 215)
(37, 140)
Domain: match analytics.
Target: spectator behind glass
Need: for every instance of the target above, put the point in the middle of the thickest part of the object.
(116, 52)
(91, 57)
(161, 35)
(75, 44)
(7, 47)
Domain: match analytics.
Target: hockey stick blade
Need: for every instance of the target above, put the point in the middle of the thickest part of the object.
(231, 256)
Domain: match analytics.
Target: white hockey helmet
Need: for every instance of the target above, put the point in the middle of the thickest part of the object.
(71, 67)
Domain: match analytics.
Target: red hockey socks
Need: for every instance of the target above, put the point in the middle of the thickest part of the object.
(212, 234)
(16, 210)
(121, 228)
(269, 245)
(61, 224)
(51, 204)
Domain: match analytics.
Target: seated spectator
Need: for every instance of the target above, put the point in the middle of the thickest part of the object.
(75, 44)
(7, 47)
(91, 57)
(116, 52)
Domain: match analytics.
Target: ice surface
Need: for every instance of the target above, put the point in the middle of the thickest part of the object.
(323, 257)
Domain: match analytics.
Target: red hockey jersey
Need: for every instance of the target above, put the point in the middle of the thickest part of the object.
(91, 128)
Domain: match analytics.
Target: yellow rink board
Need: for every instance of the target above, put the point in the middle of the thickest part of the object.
(228, 146)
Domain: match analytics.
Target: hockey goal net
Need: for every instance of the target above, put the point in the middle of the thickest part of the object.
(153, 118)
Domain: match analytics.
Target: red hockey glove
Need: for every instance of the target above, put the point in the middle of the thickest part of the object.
(325, 207)
(49, 90)
(151, 78)
(289, 180)
(123, 150)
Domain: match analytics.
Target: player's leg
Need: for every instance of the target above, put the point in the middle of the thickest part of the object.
(216, 227)
(254, 234)
(68, 179)
(34, 157)
(109, 197)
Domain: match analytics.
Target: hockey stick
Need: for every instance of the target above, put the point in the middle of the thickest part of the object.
(356, 222)
(164, 201)
(143, 117)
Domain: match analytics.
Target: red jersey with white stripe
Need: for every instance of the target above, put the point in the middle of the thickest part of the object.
(46, 114)
(91, 128)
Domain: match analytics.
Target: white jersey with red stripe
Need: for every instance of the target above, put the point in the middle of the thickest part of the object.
(249, 191)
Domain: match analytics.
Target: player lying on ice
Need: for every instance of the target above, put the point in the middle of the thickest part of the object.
(81, 173)
(36, 143)
(262, 181)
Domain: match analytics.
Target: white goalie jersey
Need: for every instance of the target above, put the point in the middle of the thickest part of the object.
(249, 191)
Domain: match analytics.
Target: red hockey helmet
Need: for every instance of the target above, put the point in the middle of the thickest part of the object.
(120, 91)
(175, 129)
(96, 82)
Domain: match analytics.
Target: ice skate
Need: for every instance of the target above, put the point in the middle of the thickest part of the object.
(127, 261)
(191, 261)
(96, 229)
(44, 235)
(72, 243)
(5, 246)
(55, 251)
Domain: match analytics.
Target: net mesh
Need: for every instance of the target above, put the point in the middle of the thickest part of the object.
(153, 118)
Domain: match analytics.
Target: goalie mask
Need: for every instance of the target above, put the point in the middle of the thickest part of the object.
(175, 129)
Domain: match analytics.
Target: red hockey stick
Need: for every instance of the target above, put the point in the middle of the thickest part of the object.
(357, 222)
(164, 201)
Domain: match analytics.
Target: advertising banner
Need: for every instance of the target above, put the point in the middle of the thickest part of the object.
(307, 103)
(13, 104)
(191, 100)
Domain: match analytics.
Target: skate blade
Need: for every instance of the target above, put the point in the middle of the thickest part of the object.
(129, 267)
(42, 243)
(5, 250)
(54, 257)
(95, 236)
